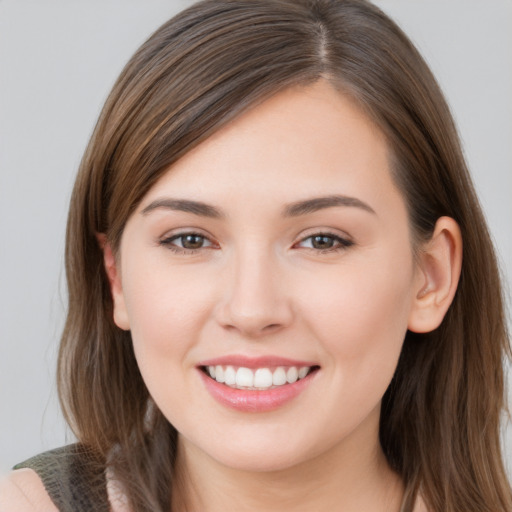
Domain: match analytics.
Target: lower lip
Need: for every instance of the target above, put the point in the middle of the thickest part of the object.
(246, 400)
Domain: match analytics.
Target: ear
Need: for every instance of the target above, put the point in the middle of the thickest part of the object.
(439, 267)
(113, 271)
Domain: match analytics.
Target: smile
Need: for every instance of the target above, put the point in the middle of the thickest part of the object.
(256, 385)
(256, 379)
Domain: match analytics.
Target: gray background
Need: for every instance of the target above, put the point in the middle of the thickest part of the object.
(58, 60)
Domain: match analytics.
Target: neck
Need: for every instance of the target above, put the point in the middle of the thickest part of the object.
(351, 477)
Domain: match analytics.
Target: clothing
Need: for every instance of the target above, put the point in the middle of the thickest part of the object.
(73, 478)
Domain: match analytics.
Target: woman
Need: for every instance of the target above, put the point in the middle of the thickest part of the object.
(283, 294)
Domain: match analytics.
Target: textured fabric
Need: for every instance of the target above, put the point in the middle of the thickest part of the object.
(73, 478)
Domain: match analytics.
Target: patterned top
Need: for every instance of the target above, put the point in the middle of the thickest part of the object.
(73, 478)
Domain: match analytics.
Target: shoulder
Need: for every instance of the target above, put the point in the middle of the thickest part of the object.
(23, 491)
(70, 478)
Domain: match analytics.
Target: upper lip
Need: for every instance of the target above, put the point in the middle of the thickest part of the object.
(255, 362)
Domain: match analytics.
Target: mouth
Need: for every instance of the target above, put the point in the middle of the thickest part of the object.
(256, 385)
(257, 379)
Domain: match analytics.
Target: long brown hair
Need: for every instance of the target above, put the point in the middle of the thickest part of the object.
(440, 420)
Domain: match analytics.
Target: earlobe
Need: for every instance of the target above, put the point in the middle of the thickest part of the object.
(439, 271)
(114, 278)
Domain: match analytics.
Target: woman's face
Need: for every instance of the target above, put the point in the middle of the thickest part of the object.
(279, 246)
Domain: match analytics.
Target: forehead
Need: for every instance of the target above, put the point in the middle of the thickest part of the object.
(303, 141)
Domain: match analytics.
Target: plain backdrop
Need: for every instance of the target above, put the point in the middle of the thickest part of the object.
(58, 60)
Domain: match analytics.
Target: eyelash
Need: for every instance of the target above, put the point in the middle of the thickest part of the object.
(169, 243)
(342, 243)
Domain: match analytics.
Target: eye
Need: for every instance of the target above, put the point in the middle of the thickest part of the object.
(186, 242)
(325, 242)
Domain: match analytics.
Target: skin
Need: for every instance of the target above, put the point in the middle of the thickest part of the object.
(258, 286)
(255, 285)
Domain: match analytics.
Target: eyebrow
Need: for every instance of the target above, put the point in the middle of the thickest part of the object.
(319, 203)
(185, 205)
(295, 209)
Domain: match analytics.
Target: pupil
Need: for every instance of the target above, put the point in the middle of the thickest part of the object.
(322, 242)
(192, 241)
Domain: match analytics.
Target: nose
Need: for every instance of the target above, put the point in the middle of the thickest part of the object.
(255, 300)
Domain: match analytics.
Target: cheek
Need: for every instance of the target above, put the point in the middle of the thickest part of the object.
(166, 312)
(360, 314)
(166, 309)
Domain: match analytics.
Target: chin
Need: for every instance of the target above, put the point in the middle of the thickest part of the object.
(261, 457)
(261, 463)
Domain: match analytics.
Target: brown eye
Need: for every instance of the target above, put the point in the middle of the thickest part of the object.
(192, 241)
(327, 242)
(186, 242)
(322, 242)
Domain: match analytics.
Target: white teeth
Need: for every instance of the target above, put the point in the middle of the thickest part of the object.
(219, 373)
(292, 375)
(230, 376)
(279, 377)
(262, 378)
(303, 371)
(259, 379)
(244, 377)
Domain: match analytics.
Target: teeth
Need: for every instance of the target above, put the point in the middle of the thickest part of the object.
(279, 377)
(292, 375)
(219, 374)
(261, 378)
(230, 376)
(302, 372)
(244, 377)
